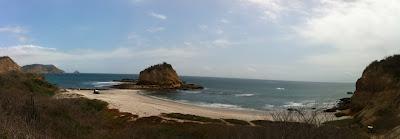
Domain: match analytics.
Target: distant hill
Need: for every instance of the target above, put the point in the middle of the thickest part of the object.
(7, 65)
(39, 68)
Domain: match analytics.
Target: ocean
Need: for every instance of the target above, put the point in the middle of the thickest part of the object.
(265, 95)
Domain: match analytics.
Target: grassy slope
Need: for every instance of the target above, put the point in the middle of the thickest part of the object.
(28, 111)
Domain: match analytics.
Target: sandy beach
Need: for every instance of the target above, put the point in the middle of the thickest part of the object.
(133, 102)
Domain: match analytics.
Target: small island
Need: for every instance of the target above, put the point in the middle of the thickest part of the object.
(158, 77)
(41, 69)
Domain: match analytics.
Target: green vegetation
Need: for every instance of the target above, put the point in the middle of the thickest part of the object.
(28, 110)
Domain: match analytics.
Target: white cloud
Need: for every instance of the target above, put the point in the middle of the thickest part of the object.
(203, 27)
(18, 32)
(273, 10)
(225, 21)
(358, 32)
(223, 43)
(13, 29)
(155, 29)
(158, 16)
(219, 31)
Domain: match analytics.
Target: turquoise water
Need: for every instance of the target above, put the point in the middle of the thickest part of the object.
(228, 92)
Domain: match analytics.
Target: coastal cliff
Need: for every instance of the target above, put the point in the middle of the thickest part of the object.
(8, 65)
(376, 100)
(41, 69)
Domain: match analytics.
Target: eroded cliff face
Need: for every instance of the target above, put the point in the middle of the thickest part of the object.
(162, 75)
(39, 68)
(376, 100)
(8, 65)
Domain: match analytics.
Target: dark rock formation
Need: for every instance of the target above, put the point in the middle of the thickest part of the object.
(162, 74)
(76, 72)
(8, 65)
(41, 69)
(376, 100)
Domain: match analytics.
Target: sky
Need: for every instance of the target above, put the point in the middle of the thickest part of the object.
(299, 40)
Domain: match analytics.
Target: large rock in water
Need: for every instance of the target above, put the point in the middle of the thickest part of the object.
(376, 100)
(8, 65)
(162, 75)
(39, 68)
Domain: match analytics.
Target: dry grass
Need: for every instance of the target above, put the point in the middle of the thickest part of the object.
(28, 111)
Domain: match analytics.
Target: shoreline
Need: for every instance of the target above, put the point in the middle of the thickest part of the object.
(135, 102)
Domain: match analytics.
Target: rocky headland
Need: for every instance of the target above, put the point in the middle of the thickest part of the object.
(160, 76)
(8, 65)
(376, 101)
(41, 69)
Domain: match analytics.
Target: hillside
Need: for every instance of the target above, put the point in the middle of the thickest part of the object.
(7, 65)
(376, 100)
(39, 68)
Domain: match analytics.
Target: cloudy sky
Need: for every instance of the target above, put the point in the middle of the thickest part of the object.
(302, 40)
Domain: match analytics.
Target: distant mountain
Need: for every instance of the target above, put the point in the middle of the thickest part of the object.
(76, 72)
(39, 68)
(7, 65)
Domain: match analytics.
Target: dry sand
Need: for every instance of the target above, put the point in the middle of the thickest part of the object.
(133, 102)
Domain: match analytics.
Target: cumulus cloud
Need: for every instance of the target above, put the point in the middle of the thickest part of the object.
(357, 31)
(18, 32)
(13, 29)
(273, 10)
(158, 16)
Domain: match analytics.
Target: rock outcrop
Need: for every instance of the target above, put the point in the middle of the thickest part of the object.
(376, 100)
(162, 75)
(157, 77)
(8, 65)
(41, 69)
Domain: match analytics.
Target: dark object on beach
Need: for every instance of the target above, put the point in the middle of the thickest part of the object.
(350, 93)
(370, 129)
(291, 109)
(340, 114)
(95, 91)
(126, 80)
(334, 109)
(343, 104)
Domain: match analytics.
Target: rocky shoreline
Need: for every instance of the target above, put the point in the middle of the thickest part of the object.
(133, 84)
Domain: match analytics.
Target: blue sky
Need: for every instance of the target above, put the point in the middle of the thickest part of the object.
(307, 40)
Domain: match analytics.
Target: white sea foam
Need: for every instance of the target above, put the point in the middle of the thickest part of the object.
(305, 103)
(279, 88)
(105, 84)
(244, 95)
(269, 106)
(220, 105)
(190, 92)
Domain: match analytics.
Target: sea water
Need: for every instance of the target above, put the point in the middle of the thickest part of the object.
(228, 92)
